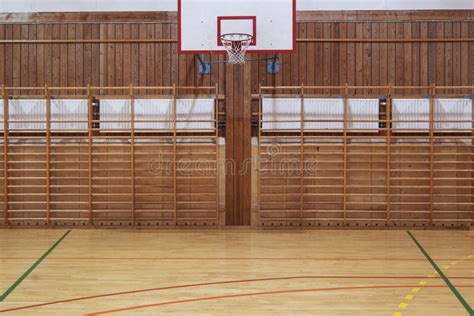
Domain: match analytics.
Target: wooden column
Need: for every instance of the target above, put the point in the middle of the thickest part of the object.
(5, 150)
(238, 144)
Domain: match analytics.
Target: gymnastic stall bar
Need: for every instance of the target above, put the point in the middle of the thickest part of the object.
(126, 158)
(379, 158)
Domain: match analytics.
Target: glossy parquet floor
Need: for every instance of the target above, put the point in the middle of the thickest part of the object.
(234, 272)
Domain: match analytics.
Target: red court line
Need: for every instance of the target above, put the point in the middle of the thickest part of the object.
(235, 258)
(217, 283)
(210, 298)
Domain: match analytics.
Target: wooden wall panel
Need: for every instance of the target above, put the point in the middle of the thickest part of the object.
(314, 62)
(318, 63)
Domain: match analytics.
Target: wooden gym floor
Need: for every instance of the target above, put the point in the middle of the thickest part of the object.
(234, 272)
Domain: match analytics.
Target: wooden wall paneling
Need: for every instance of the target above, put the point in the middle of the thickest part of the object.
(182, 70)
(440, 56)
(230, 197)
(351, 54)
(24, 71)
(126, 50)
(15, 56)
(237, 141)
(55, 56)
(5, 155)
(80, 71)
(135, 56)
(367, 51)
(301, 52)
(87, 59)
(3, 182)
(345, 143)
(328, 56)
(222, 75)
(424, 58)
(174, 56)
(342, 54)
(9, 56)
(175, 162)
(432, 53)
(149, 62)
(431, 158)
(47, 95)
(111, 60)
(238, 144)
(90, 171)
(301, 171)
(388, 126)
(119, 59)
(166, 56)
(262, 72)
(314, 56)
(286, 69)
(376, 59)
(415, 55)
(335, 81)
(383, 57)
(456, 53)
(39, 57)
(448, 49)
(407, 58)
(2, 55)
(246, 176)
(71, 58)
(158, 57)
(399, 57)
(391, 54)
(359, 55)
(132, 155)
(167, 17)
(142, 61)
(48, 56)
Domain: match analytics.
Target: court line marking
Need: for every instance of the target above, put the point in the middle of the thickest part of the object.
(453, 289)
(231, 258)
(208, 284)
(209, 298)
(33, 267)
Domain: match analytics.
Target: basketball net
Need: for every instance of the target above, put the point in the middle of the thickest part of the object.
(236, 45)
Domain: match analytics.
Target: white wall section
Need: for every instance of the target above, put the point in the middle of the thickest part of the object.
(171, 5)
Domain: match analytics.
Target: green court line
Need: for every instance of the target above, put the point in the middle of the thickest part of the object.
(37, 263)
(461, 299)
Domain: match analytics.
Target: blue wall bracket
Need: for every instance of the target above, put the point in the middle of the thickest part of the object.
(203, 68)
(273, 66)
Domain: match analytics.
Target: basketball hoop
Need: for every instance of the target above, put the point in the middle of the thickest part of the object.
(236, 45)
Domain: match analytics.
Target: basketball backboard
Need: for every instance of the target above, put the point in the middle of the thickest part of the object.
(271, 23)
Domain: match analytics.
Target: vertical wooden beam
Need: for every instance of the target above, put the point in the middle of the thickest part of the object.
(90, 118)
(431, 140)
(231, 164)
(472, 159)
(175, 164)
(259, 127)
(132, 151)
(5, 150)
(388, 119)
(48, 154)
(238, 144)
(302, 152)
(216, 135)
(346, 94)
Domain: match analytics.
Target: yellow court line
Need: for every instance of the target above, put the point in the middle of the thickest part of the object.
(409, 297)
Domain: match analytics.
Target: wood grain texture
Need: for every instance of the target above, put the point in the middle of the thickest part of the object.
(236, 268)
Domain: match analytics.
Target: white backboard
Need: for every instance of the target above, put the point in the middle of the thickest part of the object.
(272, 23)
